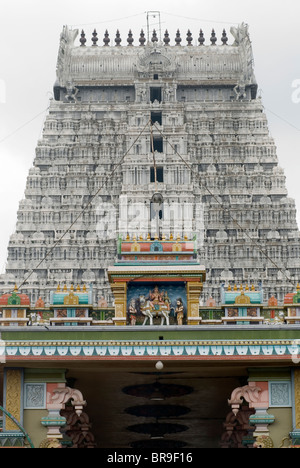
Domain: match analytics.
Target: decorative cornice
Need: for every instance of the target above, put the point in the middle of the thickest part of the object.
(185, 349)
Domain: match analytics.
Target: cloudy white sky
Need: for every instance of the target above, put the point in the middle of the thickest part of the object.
(30, 31)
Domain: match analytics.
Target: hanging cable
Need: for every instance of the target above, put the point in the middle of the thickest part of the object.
(153, 154)
(108, 21)
(199, 19)
(24, 125)
(283, 120)
(85, 208)
(196, 174)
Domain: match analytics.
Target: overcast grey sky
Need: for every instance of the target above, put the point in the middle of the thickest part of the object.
(30, 31)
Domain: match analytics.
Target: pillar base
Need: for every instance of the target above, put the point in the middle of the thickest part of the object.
(295, 436)
(119, 321)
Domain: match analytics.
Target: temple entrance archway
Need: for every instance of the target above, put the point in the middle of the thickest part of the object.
(133, 405)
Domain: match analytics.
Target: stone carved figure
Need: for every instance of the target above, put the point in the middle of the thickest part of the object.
(71, 92)
(102, 303)
(156, 297)
(132, 311)
(239, 33)
(240, 91)
(169, 94)
(50, 443)
(141, 93)
(179, 311)
(263, 441)
(154, 307)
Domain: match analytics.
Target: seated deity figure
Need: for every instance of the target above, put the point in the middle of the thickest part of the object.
(155, 297)
(102, 302)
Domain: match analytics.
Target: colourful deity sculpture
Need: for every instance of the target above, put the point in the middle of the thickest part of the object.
(179, 311)
(132, 312)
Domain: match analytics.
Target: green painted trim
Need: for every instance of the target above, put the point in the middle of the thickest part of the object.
(10, 416)
(266, 374)
(45, 375)
(140, 333)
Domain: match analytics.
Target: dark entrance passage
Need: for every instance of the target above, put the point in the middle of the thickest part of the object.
(138, 407)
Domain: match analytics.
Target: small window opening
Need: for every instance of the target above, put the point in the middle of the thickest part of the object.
(156, 117)
(155, 94)
(157, 144)
(159, 174)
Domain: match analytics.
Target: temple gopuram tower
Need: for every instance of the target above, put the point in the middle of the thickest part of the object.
(131, 118)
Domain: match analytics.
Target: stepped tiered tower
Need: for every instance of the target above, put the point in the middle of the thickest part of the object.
(180, 117)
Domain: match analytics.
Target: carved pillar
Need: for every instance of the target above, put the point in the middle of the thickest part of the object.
(13, 399)
(238, 432)
(78, 429)
(257, 396)
(119, 290)
(57, 397)
(295, 434)
(193, 291)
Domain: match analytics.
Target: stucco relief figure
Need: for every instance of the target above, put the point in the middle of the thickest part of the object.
(239, 33)
(102, 302)
(155, 297)
(179, 311)
(132, 311)
(166, 299)
(141, 94)
(168, 93)
(157, 304)
(72, 92)
(263, 441)
(240, 91)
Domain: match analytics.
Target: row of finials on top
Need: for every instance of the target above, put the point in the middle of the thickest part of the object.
(154, 38)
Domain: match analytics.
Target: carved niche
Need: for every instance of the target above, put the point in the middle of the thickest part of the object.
(155, 60)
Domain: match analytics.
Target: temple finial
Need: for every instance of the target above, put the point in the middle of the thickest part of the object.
(166, 37)
(95, 37)
(154, 36)
(130, 38)
(82, 38)
(142, 38)
(201, 38)
(224, 38)
(178, 38)
(118, 39)
(189, 38)
(106, 38)
(213, 38)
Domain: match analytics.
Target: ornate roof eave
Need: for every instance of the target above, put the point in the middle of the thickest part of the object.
(156, 272)
(89, 64)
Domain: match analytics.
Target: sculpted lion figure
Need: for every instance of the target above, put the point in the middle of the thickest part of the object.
(50, 443)
(263, 441)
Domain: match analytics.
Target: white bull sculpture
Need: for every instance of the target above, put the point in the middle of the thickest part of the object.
(149, 311)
